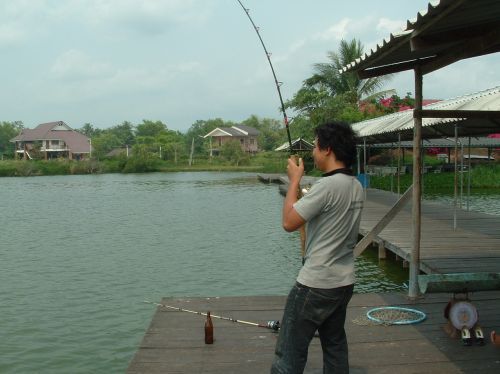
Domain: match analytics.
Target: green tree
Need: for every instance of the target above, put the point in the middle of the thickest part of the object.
(89, 130)
(141, 161)
(301, 127)
(104, 143)
(8, 130)
(124, 133)
(232, 152)
(150, 128)
(173, 145)
(329, 74)
(271, 130)
(329, 94)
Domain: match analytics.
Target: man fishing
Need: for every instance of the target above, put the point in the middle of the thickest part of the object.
(331, 211)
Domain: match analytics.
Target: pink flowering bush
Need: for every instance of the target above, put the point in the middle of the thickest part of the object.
(395, 103)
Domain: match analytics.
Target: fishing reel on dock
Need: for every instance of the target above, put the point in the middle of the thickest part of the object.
(273, 325)
(462, 319)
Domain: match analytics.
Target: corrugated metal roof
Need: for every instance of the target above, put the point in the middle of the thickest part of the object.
(239, 130)
(249, 130)
(446, 32)
(386, 128)
(298, 144)
(479, 142)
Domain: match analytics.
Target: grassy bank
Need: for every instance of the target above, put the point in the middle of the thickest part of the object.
(482, 176)
(270, 162)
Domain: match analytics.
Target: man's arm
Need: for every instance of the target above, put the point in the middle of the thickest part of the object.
(291, 219)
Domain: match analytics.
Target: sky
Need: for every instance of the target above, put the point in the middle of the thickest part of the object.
(104, 62)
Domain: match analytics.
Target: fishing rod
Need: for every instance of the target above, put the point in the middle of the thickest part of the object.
(277, 83)
(272, 325)
(285, 118)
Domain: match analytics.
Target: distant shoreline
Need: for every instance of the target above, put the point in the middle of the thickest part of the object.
(483, 176)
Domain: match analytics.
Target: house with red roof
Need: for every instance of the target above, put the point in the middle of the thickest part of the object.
(52, 140)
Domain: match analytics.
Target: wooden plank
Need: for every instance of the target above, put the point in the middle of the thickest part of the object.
(475, 242)
(174, 340)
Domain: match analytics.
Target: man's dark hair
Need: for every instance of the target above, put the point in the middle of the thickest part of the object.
(340, 138)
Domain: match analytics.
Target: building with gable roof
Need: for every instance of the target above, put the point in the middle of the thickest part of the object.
(246, 135)
(53, 140)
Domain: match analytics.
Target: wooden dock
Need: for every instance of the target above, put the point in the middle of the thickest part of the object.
(474, 246)
(282, 179)
(174, 341)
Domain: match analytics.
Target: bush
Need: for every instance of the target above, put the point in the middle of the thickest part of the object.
(487, 176)
(53, 167)
(140, 165)
(7, 169)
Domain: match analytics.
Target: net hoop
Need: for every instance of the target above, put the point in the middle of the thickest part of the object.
(397, 315)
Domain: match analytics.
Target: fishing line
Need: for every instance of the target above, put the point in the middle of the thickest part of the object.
(272, 325)
(285, 118)
(276, 82)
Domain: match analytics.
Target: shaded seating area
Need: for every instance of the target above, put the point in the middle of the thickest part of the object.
(446, 32)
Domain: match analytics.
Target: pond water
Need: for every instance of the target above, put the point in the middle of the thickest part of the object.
(480, 200)
(80, 254)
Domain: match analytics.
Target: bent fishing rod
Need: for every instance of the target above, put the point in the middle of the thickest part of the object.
(272, 325)
(285, 118)
(276, 82)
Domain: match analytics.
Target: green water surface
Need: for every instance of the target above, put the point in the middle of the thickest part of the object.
(80, 254)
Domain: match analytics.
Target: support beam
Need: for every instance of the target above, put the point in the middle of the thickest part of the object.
(438, 113)
(413, 290)
(396, 208)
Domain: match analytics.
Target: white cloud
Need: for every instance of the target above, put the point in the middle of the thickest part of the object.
(10, 34)
(19, 19)
(143, 17)
(75, 65)
(79, 77)
(387, 26)
(20, 9)
(147, 17)
(336, 32)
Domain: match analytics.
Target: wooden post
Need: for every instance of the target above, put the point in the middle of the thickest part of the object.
(455, 182)
(364, 156)
(358, 149)
(469, 178)
(365, 187)
(381, 251)
(399, 164)
(191, 153)
(413, 291)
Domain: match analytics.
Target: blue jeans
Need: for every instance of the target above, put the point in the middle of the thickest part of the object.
(309, 310)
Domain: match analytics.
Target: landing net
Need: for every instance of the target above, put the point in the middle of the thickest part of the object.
(393, 315)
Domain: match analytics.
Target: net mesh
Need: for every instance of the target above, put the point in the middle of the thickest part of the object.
(395, 316)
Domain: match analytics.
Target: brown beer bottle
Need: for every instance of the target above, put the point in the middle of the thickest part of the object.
(209, 330)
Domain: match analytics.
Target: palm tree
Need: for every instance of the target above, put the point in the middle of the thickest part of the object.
(329, 76)
(330, 94)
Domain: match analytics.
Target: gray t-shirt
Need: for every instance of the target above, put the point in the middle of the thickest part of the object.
(332, 211)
